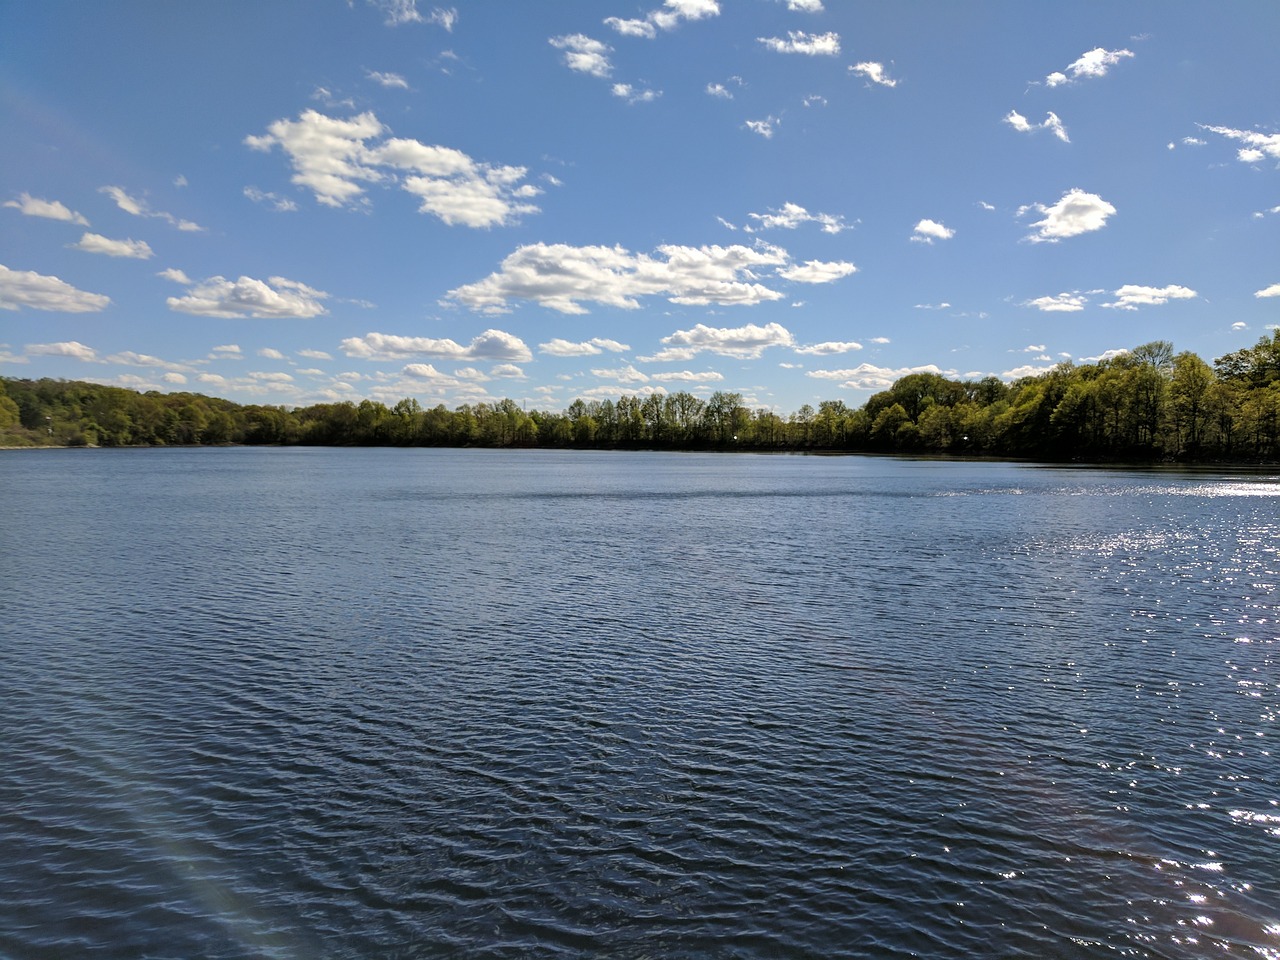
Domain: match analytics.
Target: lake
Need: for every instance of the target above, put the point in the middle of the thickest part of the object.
(299, 703)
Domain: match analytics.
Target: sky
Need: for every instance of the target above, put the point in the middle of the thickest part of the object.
(304, 201)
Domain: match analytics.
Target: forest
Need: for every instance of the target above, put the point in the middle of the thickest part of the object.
(1147, 405)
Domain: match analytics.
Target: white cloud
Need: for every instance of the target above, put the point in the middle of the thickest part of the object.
(1051, 123)
(633, 28)
(746, 342)
(986, 206)
(1026, 370)
(629, 93)
(874, 72)
(584, 55)
(70, 348)
(228, 351)
(490, 345)
(274, 201)
(400, 12)
(274, 298)
(1062, 303)
(792, 215)
(176, 275)
(174, 378)
(1240, 324)
(96, 243)
(805, 6)
(927, 231)
(830, 348)
(563, 278)
(667, 17)
(627, 374)
(1034, 348)
(1095, 63)
(763, 127)
(271, 353)
(334, 158)
(1132, 296)
(392, 81)
(867, 376)
(932, 306)
(26, 288)
(688, 376)
(590, 348)
(314, 355)
(507, 371)
(719, 90)
(130, 359)
(49, 209)
(266, 376)
(444, 17)
(1075, 213)
(815, 271)
(1257, 146)
(1271, 291)
(810, 44)
(880, 340)
(140, 208)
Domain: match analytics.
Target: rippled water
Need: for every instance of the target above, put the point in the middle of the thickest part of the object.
(421, 703)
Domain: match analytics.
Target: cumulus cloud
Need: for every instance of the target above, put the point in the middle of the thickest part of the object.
(274, 298)
(763, 127)
(927, 231)
(392, 81)
(49, 209)
(584, 55)
(1075, 213)
(793, 215)
(815, 271)
(632, 94)
(1051, 123)
(830, 348)
(96, 243)
(805, 6)
(746, 342)
(1062, 303)
(563, 278)
(176, 275)
(666, 17)
(1026, 370)
(73, 349)
(867, 376)
(1257, 146)
(627, 374)
(140, 208)
(1271, 291)
(688, 376)
(334, 158)
(130, 359)
(1096, 63)
(490, 345)
(589, 348)
(810, 44)
(314, 355)
(874, 72)
(274, 201)
(26, 288)
(1131, 296)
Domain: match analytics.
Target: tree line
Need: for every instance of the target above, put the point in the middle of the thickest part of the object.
(1147, 404)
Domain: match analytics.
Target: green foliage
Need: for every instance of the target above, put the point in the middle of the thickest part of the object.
(1148, 404)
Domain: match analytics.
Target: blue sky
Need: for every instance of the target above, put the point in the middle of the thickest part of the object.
(297, 202)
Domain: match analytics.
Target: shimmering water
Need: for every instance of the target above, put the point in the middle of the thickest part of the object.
(416, 703)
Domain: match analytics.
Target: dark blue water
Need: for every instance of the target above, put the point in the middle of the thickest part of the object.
(417, 703)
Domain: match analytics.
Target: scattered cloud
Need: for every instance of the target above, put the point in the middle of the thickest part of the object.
(314, 355)
(874, 72)
(805, 6)
(746, 343)
(490, 345)
(666, 17)
(933, 306)
(1026, 370)
(1096, 63)
(1257, 146)
(1062, 303)
(176, 275)
(1075, 213)
(688, 376)
(31, 206)
(271, 353)
(927, 231)
(333, 158)
(96, 243)
(830, 348)
(140, 208)
(1271, 291)
(584, 55)
(70, 348)
(444, 17)
(400, 12)
(1240, 324)
(274, 201)
(627, 374)
(26, 288)
(632, 94)
(719, 90)
(589, 348)
(563, 278)
(793, 215)
(763, 127)
(880, 340)
(507, 371)
(867, 376)
(228, 351)
(1051, 123)
(130, 359)
(1132, 296)
(392, 81)
(275, 298)
(810, 44)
